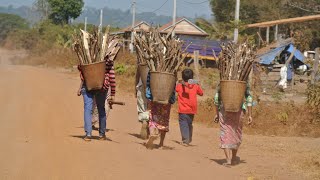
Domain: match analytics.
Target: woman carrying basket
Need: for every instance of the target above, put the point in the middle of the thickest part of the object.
(231, 125)
(159, 117)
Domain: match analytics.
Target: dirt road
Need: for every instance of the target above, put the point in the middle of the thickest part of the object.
(41, 130)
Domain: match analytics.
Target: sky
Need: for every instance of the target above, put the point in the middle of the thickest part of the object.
(188, 8)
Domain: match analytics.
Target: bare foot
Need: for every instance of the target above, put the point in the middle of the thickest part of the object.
(149, 143)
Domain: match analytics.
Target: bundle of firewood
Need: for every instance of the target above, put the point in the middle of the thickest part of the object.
(161, 53)
(235, 61)
(95, 47)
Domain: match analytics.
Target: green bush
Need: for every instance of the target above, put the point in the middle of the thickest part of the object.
(42, 37)
(120, 69)
(9, 23)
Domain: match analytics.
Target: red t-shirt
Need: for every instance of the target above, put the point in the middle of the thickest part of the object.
(187, 97)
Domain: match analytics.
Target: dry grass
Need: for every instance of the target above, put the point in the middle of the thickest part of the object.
(57, 57)
(270, 119)
(126, 78)
(308, 164)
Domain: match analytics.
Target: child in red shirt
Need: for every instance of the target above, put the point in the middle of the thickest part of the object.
(187, 102)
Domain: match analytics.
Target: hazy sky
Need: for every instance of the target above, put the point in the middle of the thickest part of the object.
(184, 7)
(188, 8)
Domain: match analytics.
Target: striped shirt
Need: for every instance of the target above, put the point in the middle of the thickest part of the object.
(110, 78)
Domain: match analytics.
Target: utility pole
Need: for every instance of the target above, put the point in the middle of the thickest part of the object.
(133, 24)
(174, 17)
(236, 30)
(101, 16)
(85, 23)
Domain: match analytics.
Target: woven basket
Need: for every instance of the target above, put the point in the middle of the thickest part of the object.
(143, 71)
(232, 94)
(94, 75)
(162, 85)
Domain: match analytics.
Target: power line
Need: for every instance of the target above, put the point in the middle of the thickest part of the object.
(196, 2)
(139, 5)
(191, 8)
(142, 1)
(194, 5)
(160, 6)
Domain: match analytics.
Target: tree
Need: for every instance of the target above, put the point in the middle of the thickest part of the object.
(224, 10)
(10, 22)
(215, 30)
(252, 11)
(63, 10)
(42, 6)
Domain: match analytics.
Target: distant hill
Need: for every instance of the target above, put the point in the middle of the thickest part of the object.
(185, 8)
(16, 3)
(113, 17)
(120, 18)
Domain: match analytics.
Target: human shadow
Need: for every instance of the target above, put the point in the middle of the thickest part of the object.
(178, 142)
(97, 129)
(223, 161)
(156, 146)
(93, 138)
(136, 136)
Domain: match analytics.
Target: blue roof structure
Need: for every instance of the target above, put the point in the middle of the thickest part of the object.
(269, 56)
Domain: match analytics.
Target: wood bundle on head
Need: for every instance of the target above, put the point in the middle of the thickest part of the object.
(161, 53)
(235, 61)
(95, 47)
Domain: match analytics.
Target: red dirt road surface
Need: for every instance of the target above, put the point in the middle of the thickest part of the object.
(41, 126)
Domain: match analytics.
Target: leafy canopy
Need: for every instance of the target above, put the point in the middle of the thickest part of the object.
(10, 22)
(62, 10)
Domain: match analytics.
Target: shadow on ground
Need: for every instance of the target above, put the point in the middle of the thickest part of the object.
(136, 135)
(223, 161)
(156, 146)
(93, 138)
(180, 143)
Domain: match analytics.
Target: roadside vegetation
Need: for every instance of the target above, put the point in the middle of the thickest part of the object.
(49, 44)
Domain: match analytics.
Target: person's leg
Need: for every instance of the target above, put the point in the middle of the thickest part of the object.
(154, 133)
(144, 130)
(88, 100)
(190, 121)
(100, 100)
(162, 136)
(94, 113)
(184, 128)
(234, 159)
(228, 154)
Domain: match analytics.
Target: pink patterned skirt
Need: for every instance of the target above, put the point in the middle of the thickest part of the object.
(159, 117)
(230, 129)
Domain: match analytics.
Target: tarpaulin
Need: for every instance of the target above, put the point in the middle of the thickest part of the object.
(268, 57)
(297, 53)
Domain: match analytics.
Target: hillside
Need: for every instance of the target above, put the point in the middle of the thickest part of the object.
(113, 17)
